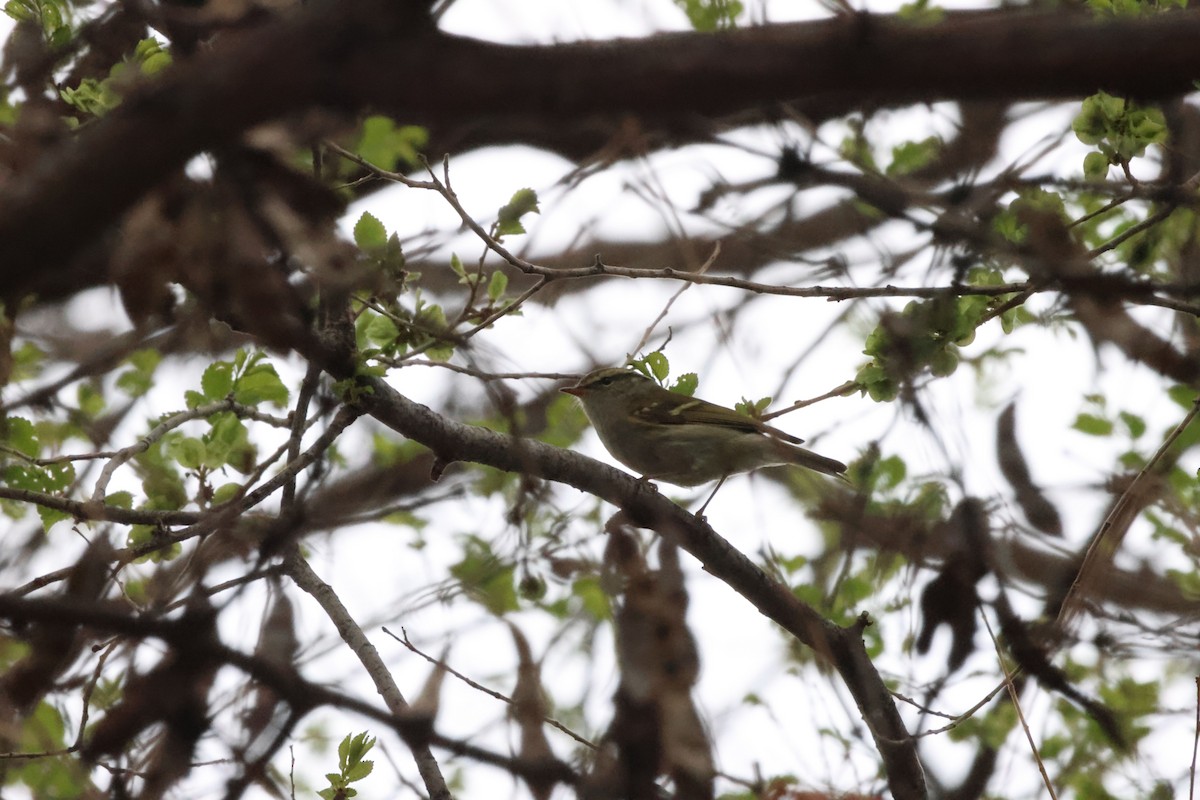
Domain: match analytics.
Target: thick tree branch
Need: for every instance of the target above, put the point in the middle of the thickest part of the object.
(842, 647)
(368, 53)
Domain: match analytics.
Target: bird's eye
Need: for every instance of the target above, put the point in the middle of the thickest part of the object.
(606, 381)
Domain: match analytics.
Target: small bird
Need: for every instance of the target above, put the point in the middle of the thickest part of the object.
(682, 440)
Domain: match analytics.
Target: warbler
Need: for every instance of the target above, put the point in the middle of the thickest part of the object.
(683, 440)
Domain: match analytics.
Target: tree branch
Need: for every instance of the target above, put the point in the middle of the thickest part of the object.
(842, 647)
(370, 53)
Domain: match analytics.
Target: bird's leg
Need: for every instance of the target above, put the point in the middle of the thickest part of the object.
(647, 484)
(700, 514)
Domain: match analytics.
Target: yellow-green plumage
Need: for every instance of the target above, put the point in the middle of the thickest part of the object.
(680, 440)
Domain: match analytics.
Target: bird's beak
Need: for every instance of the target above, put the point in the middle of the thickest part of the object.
(575, 390)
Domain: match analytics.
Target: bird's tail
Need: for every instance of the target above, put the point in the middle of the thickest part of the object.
(816, 462)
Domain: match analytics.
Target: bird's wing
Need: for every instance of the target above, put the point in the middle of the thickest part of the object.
(706, 413)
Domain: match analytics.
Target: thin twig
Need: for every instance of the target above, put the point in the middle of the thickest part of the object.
(107, 354)
(1070, 602)
(839, 391)
(356, 639)
(398, 177)
(1189, 185)
(162, 429)
(437, 662)
(1104, 209)
(1195, 742)
(1133, 230)
(667, 308)
(954, 721)
(488, 376)
(599, 269)
(1016, 701)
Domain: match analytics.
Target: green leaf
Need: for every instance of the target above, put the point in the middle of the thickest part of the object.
(227, 431)
(156, 63)
(44, 730)
(20, 10)
(228, 443)
(188, 451)
(51, 516)
(431, 320)
(90, 400)
(565, 422)
(921, 12)
(22, 477)
(711, 15)
(163, 487)
(890, 472)
(752, 408)
(134, 383)
(369, 233)
(385, 145)
(686, 384)
(508, 219)
(260, 384)
(406, 519)
(138, 380)
(350, 753)
(392, 260)
(497, 285)
(658, 365)
(1120, 129)
(1133, 423)
(19, 434)
(381, 331)
(1188, 437)
(47, 480)
(592, 597)
(359, 771)
(119, 500)
(217, 381)
(943, 363)
(488, 580)
(59, 476)
(146, 360)
(1095, 166)
(60, 37)
(1188, 582)
(1182, 396)
(990, 729)
(909, 157)
(52, 16)
(1092, 425)
(224, 493)
(151, 55)
(873, 379)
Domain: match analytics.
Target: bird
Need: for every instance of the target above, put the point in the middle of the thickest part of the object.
(685, 441)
